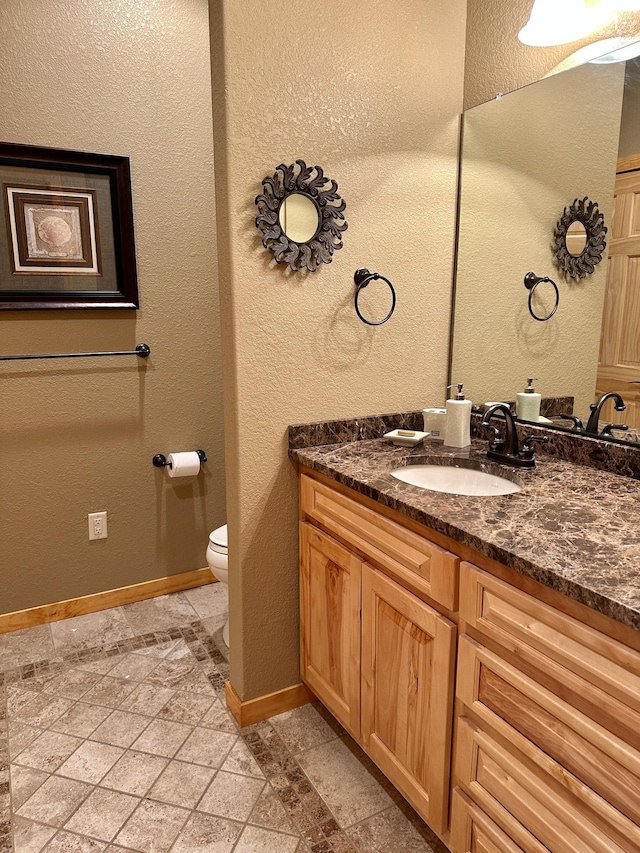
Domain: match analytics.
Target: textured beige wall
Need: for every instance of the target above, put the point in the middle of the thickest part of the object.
(126, 77)
(525, 158)
(497, 62)
(371, 91)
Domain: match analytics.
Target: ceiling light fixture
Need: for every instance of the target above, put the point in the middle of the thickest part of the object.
(619, 50)
(552, 22)
(604, 51)
(625, 5)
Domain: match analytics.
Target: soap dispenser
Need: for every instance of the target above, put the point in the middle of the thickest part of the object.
(457, 431)
(528, 403)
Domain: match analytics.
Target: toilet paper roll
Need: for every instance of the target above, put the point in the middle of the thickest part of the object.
(184, 464)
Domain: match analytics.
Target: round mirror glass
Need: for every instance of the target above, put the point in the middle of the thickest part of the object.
(298, 217)
(576, 239)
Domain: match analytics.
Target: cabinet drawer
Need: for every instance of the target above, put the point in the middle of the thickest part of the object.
(516, 796)
(412, 559)
(574, 768)
(472, 831)
(596, 673)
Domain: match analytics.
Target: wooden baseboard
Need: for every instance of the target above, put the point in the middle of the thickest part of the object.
(102, 600)
(256, 710)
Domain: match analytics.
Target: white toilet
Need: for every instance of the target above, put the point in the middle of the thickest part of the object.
(218, 562)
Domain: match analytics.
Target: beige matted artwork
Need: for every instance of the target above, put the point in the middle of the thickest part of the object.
(52, 230)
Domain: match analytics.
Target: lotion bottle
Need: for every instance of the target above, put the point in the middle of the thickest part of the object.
(528, 403)
(457, 431)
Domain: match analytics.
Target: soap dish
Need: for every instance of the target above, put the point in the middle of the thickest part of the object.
(406, 437)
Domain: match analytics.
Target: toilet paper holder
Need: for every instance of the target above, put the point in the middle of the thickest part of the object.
(161, 461)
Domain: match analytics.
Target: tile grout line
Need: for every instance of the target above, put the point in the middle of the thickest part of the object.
(75, 810)
(336, 834)
(317, 832)
(311, 819)
(102, 651)
(218, 658)
(201, 646)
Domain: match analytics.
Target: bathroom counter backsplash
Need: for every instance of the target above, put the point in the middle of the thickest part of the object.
(572, 528)
(375, 426)
(611, 457)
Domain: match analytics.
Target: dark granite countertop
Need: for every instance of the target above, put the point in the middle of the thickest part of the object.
(573, 528)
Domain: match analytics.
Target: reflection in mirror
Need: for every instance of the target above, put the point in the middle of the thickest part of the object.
(522, 157)
(298, 217)
(576, 239)
(586, 212)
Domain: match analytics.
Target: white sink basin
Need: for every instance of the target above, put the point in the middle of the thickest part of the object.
(455, 481)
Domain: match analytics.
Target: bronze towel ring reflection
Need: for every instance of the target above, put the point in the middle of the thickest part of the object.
(362, 278)
(531, 281)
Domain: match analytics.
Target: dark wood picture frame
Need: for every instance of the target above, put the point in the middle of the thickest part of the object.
(69, 239)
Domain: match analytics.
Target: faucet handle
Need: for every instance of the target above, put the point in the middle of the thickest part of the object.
(497, 443)
(607, 430)
(527, 451)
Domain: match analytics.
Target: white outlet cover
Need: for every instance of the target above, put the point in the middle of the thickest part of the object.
(97, 525)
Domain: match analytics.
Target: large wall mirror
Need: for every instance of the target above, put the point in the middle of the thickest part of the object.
(525, 157)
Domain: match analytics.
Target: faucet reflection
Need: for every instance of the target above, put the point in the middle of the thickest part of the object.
(578, 426)
(592, 426)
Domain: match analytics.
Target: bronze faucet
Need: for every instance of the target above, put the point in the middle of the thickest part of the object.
(508, 450)
(596, 408)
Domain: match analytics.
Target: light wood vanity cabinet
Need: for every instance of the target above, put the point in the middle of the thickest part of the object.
(546, 725)
(379, 657)
(547, 732)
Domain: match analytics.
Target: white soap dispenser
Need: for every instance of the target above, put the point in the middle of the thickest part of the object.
(528, 403)
(457, 431)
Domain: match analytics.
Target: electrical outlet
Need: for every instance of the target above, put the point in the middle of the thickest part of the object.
(97, 525)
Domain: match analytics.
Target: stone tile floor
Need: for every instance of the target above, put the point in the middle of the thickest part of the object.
(114, 736)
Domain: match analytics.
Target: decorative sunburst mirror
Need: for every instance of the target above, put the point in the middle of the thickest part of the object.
(300, 216)
(579, 238)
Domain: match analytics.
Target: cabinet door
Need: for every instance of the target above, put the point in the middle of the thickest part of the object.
(330, 624)
(407, 692)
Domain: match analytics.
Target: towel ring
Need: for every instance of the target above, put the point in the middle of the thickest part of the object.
(531, 281)
(362, 278)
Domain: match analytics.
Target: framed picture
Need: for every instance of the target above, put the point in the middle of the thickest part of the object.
(68, 240)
